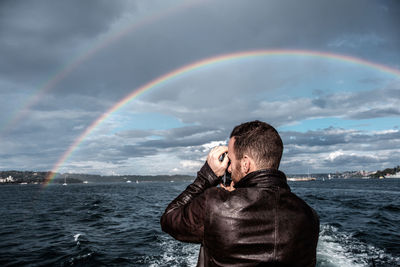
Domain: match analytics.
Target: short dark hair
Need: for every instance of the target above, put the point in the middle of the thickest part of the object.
(260, 141)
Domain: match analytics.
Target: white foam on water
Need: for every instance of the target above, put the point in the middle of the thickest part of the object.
(330, 250)
(336, 248)
(175, 253)
(193, 252)
(76, 237)
(73, 261)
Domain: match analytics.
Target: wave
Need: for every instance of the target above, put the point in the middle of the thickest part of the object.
(175, 253)
(116, 225)
(336, 248)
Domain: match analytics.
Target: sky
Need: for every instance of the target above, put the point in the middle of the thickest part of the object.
(149, 87)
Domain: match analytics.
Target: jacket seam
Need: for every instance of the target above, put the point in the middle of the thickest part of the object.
(206, 217)
(275, 222)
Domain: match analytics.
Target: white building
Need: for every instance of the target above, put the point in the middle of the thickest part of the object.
(396, 175)
(9, 179)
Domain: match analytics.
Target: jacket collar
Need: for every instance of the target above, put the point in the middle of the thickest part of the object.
(263, 178)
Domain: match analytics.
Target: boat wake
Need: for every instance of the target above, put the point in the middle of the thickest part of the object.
(336, 248)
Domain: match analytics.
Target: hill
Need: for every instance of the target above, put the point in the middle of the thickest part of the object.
(39, 177)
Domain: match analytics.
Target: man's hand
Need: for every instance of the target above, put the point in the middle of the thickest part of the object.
(229, 188)
(217, 166)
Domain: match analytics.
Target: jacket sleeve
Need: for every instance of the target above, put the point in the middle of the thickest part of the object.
(184, 217)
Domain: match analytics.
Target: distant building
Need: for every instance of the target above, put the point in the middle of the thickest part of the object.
(9, 179)
(396, 175)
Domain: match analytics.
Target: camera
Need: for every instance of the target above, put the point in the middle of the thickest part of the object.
(226, 178)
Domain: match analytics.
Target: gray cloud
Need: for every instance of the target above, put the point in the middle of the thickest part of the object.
(176, 40)
(348, 139)
(103, 50)
(40, 36)
(337, 149)
(354, 160)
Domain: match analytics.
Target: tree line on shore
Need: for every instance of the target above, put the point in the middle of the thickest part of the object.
(40, 177)
(386, 171)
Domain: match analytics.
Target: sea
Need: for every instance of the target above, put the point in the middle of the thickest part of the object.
(117, 224)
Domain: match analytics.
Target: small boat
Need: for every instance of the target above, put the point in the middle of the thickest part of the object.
(302, 179)
(129, 181)
(65, 181)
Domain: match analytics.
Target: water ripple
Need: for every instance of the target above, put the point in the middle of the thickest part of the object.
(118, 225)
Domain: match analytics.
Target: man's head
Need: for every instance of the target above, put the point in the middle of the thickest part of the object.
(253, 146)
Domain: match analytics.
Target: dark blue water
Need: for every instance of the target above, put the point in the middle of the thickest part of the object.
(118, 224)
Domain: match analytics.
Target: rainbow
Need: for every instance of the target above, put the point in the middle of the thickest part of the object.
(83, 57)
(202, 64)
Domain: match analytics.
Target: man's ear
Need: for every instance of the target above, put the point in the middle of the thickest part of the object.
(246, 164)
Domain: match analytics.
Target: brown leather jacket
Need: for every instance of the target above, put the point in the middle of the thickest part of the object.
(261, 223)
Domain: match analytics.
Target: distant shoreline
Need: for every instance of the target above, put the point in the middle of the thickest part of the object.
(32, 177)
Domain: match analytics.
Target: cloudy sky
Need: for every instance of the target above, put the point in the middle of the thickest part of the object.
(332, 90)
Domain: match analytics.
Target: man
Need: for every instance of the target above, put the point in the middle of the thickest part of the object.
(257, 221)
